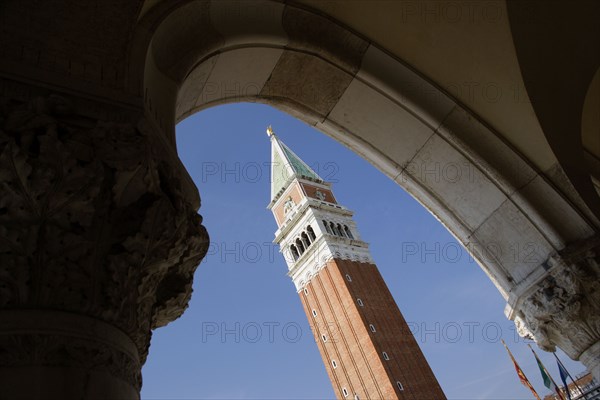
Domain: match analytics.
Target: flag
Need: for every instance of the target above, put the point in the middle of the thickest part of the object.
(521, 374)
(563, 376)
(548, 381)
(564, 371)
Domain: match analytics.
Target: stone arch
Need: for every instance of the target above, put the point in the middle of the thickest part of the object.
(503, 210)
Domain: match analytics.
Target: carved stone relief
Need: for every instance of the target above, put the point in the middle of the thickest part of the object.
(564, 309)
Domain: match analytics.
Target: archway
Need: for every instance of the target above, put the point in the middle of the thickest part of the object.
(94, 194)
(482, 190)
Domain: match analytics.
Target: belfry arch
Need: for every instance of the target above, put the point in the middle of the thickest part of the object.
(104, 101)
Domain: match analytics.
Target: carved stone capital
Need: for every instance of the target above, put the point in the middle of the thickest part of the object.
(93, 219)
(563, 310)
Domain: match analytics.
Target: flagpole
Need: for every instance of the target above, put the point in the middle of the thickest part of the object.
(547, 373)
(520, 373)
(568, 373)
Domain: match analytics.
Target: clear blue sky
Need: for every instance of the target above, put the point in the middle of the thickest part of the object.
(245, 335)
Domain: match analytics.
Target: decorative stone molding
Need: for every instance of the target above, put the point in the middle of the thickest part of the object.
(51, 339)
(93, 219)
(564, 308)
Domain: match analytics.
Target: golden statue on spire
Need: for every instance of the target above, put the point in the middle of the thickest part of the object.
(270, 131)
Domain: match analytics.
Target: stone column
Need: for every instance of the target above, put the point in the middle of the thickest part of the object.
(563, 310)
(98, 246)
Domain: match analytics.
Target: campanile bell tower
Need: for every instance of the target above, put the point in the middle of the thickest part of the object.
(366, 345)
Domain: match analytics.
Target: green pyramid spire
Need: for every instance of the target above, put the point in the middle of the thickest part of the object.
(285, 166)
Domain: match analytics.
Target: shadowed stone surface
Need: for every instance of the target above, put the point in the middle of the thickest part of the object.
(335, 43)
